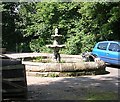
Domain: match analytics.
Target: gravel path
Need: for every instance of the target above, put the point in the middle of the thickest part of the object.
(74, 88)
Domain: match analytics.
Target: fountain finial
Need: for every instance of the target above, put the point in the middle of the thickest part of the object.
(56, 31)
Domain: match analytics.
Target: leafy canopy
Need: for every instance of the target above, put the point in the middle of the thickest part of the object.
(82, 24)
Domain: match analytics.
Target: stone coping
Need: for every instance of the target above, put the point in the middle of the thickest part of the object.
(63, 67)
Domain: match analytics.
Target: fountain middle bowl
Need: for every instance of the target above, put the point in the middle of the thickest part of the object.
(55, 46)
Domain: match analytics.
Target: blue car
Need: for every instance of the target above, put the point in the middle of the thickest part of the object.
(108, 51)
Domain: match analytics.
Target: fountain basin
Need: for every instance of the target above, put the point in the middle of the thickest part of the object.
(64, 69)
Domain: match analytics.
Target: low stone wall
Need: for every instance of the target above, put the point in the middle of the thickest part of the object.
(64, 69)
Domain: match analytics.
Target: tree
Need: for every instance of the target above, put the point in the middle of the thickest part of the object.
(9, 34)
(82, 24)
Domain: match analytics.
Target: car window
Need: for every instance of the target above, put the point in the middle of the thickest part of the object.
(102, 46)
(114, 47)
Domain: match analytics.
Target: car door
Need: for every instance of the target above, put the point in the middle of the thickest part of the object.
(101, 51)
(113, 53)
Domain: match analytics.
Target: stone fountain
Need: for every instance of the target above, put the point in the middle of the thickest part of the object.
(75, 67)
(56, 46)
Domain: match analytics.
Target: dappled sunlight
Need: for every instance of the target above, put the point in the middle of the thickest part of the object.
(40, 80)
(70, 88)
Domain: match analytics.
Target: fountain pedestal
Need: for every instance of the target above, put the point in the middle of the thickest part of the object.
(56, 46)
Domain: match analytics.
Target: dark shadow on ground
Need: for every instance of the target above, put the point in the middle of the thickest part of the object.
(113, 66)
(75, 88)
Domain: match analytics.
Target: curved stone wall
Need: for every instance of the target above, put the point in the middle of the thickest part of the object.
(64, 69)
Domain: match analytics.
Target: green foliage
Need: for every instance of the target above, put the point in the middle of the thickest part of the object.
(10, 36)
(38, 45)
(73, 45)
(62, 61)
(35, 45)
(52, 75)
(88, 42)
(82, 24)
(41, 59)
(102, 96)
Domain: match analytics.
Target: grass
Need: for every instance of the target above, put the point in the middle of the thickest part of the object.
(102, 96)
(41, 59)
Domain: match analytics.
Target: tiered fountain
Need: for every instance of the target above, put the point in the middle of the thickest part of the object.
(72, 68)
(56, 46)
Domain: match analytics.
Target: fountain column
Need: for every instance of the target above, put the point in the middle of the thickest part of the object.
(56, 46)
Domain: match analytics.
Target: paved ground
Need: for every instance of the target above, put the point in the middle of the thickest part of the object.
(99, 87)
